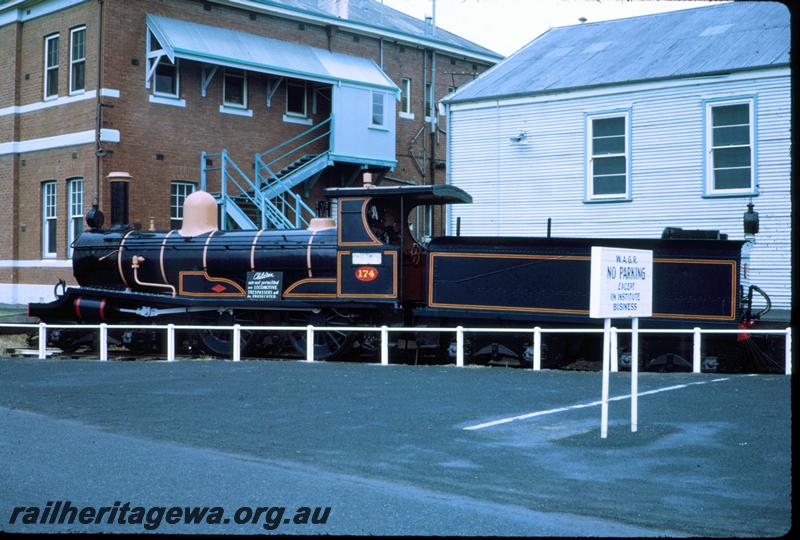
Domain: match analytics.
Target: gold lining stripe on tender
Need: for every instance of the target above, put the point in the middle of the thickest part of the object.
(431, 303)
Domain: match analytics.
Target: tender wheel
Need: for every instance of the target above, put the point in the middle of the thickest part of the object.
(328, 345)
(220, 342)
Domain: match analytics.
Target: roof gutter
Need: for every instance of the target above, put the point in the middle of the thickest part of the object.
(367, 29)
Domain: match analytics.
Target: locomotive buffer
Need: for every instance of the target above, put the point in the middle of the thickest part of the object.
(621, 287)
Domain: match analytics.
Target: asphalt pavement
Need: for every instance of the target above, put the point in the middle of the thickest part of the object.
(387, 449)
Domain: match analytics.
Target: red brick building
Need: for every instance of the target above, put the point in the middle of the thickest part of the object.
(340, 87)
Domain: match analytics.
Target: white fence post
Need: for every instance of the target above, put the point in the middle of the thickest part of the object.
(635, 374)
(384, 345)
(788, 351)
(604, 395)
(103, 342)
(696, 352)
(310, 343)
(614, 350)
(237, 343)
(459, 346)
(170, 342)
(42, 341)
(537, 349)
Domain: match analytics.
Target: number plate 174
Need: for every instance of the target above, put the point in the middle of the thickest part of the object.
(366, 273)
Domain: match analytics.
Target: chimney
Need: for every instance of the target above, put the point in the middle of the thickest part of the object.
(337, 8)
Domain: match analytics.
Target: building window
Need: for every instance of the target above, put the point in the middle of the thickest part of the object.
(75, 211)
(167, 79)
(608, 155)
(405, 96)
(77, 60)
(729, 147)
(296, 99)
(377, 108)
(234, 91)
(178, 193)
(51, 66)
(49, 219)
(427, 98)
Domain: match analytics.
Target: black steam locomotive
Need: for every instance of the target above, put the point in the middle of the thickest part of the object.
(366, 268)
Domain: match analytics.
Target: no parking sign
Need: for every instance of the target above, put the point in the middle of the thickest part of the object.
(621, 287)
(622, 283)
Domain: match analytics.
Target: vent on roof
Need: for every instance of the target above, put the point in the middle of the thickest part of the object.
(715, 30)
(559, 52)
(596, 47)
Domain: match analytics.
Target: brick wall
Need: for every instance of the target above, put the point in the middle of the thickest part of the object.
(161, 143)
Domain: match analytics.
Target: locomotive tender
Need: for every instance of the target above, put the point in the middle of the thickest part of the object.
(366, 268)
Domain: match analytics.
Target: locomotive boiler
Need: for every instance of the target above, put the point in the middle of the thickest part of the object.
(362, 266)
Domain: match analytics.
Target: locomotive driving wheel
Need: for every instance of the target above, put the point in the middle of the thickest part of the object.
(220, 342)
(328, 344)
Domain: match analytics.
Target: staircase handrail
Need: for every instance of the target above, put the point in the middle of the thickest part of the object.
(306, 132)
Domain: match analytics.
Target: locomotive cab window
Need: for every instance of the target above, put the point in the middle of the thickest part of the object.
(384, 221)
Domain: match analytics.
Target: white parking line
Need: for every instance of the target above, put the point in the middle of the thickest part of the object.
(584, 405)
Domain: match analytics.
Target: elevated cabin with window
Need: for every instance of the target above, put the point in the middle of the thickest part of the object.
(623, 128)
(264, 103)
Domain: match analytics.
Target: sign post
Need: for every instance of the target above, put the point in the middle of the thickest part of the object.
(621, 288)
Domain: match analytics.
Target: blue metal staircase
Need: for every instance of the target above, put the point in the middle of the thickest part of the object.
(267, 201)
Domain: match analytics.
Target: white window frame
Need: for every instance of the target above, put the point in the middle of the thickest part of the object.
(229, 72)
(590, 195)
(372, 111)
(304, 85)
(74, 61)
(169, 95)
(406, 108)
(426, 96)
(48, 68)
(49, 213)
(174, 210)
(710, 190)
(74, 211)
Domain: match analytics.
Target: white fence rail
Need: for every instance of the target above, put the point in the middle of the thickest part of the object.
(384, 331)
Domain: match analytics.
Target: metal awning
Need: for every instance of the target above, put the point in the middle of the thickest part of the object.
(223, 47)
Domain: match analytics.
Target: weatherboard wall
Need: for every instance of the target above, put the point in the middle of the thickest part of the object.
(517, 186)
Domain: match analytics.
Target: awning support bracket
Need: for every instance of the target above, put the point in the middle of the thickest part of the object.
(272, 87)
(205, 78)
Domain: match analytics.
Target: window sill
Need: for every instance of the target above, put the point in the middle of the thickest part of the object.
(379, 128)
(723, 195)
(407, 116)
(50, 98)
(291, 119)
(166, 100)
(77, 92)
(236, 111)
(608, 200)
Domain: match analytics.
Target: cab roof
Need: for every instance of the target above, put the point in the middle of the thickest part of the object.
(416, 195)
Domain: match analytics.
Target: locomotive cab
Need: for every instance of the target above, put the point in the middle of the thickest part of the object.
(378, 257)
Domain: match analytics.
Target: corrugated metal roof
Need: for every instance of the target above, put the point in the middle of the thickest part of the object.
(379, 16)
(216, 45)
(720, 38)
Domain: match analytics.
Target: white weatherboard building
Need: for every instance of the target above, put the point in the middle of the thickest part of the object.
(623, 128)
